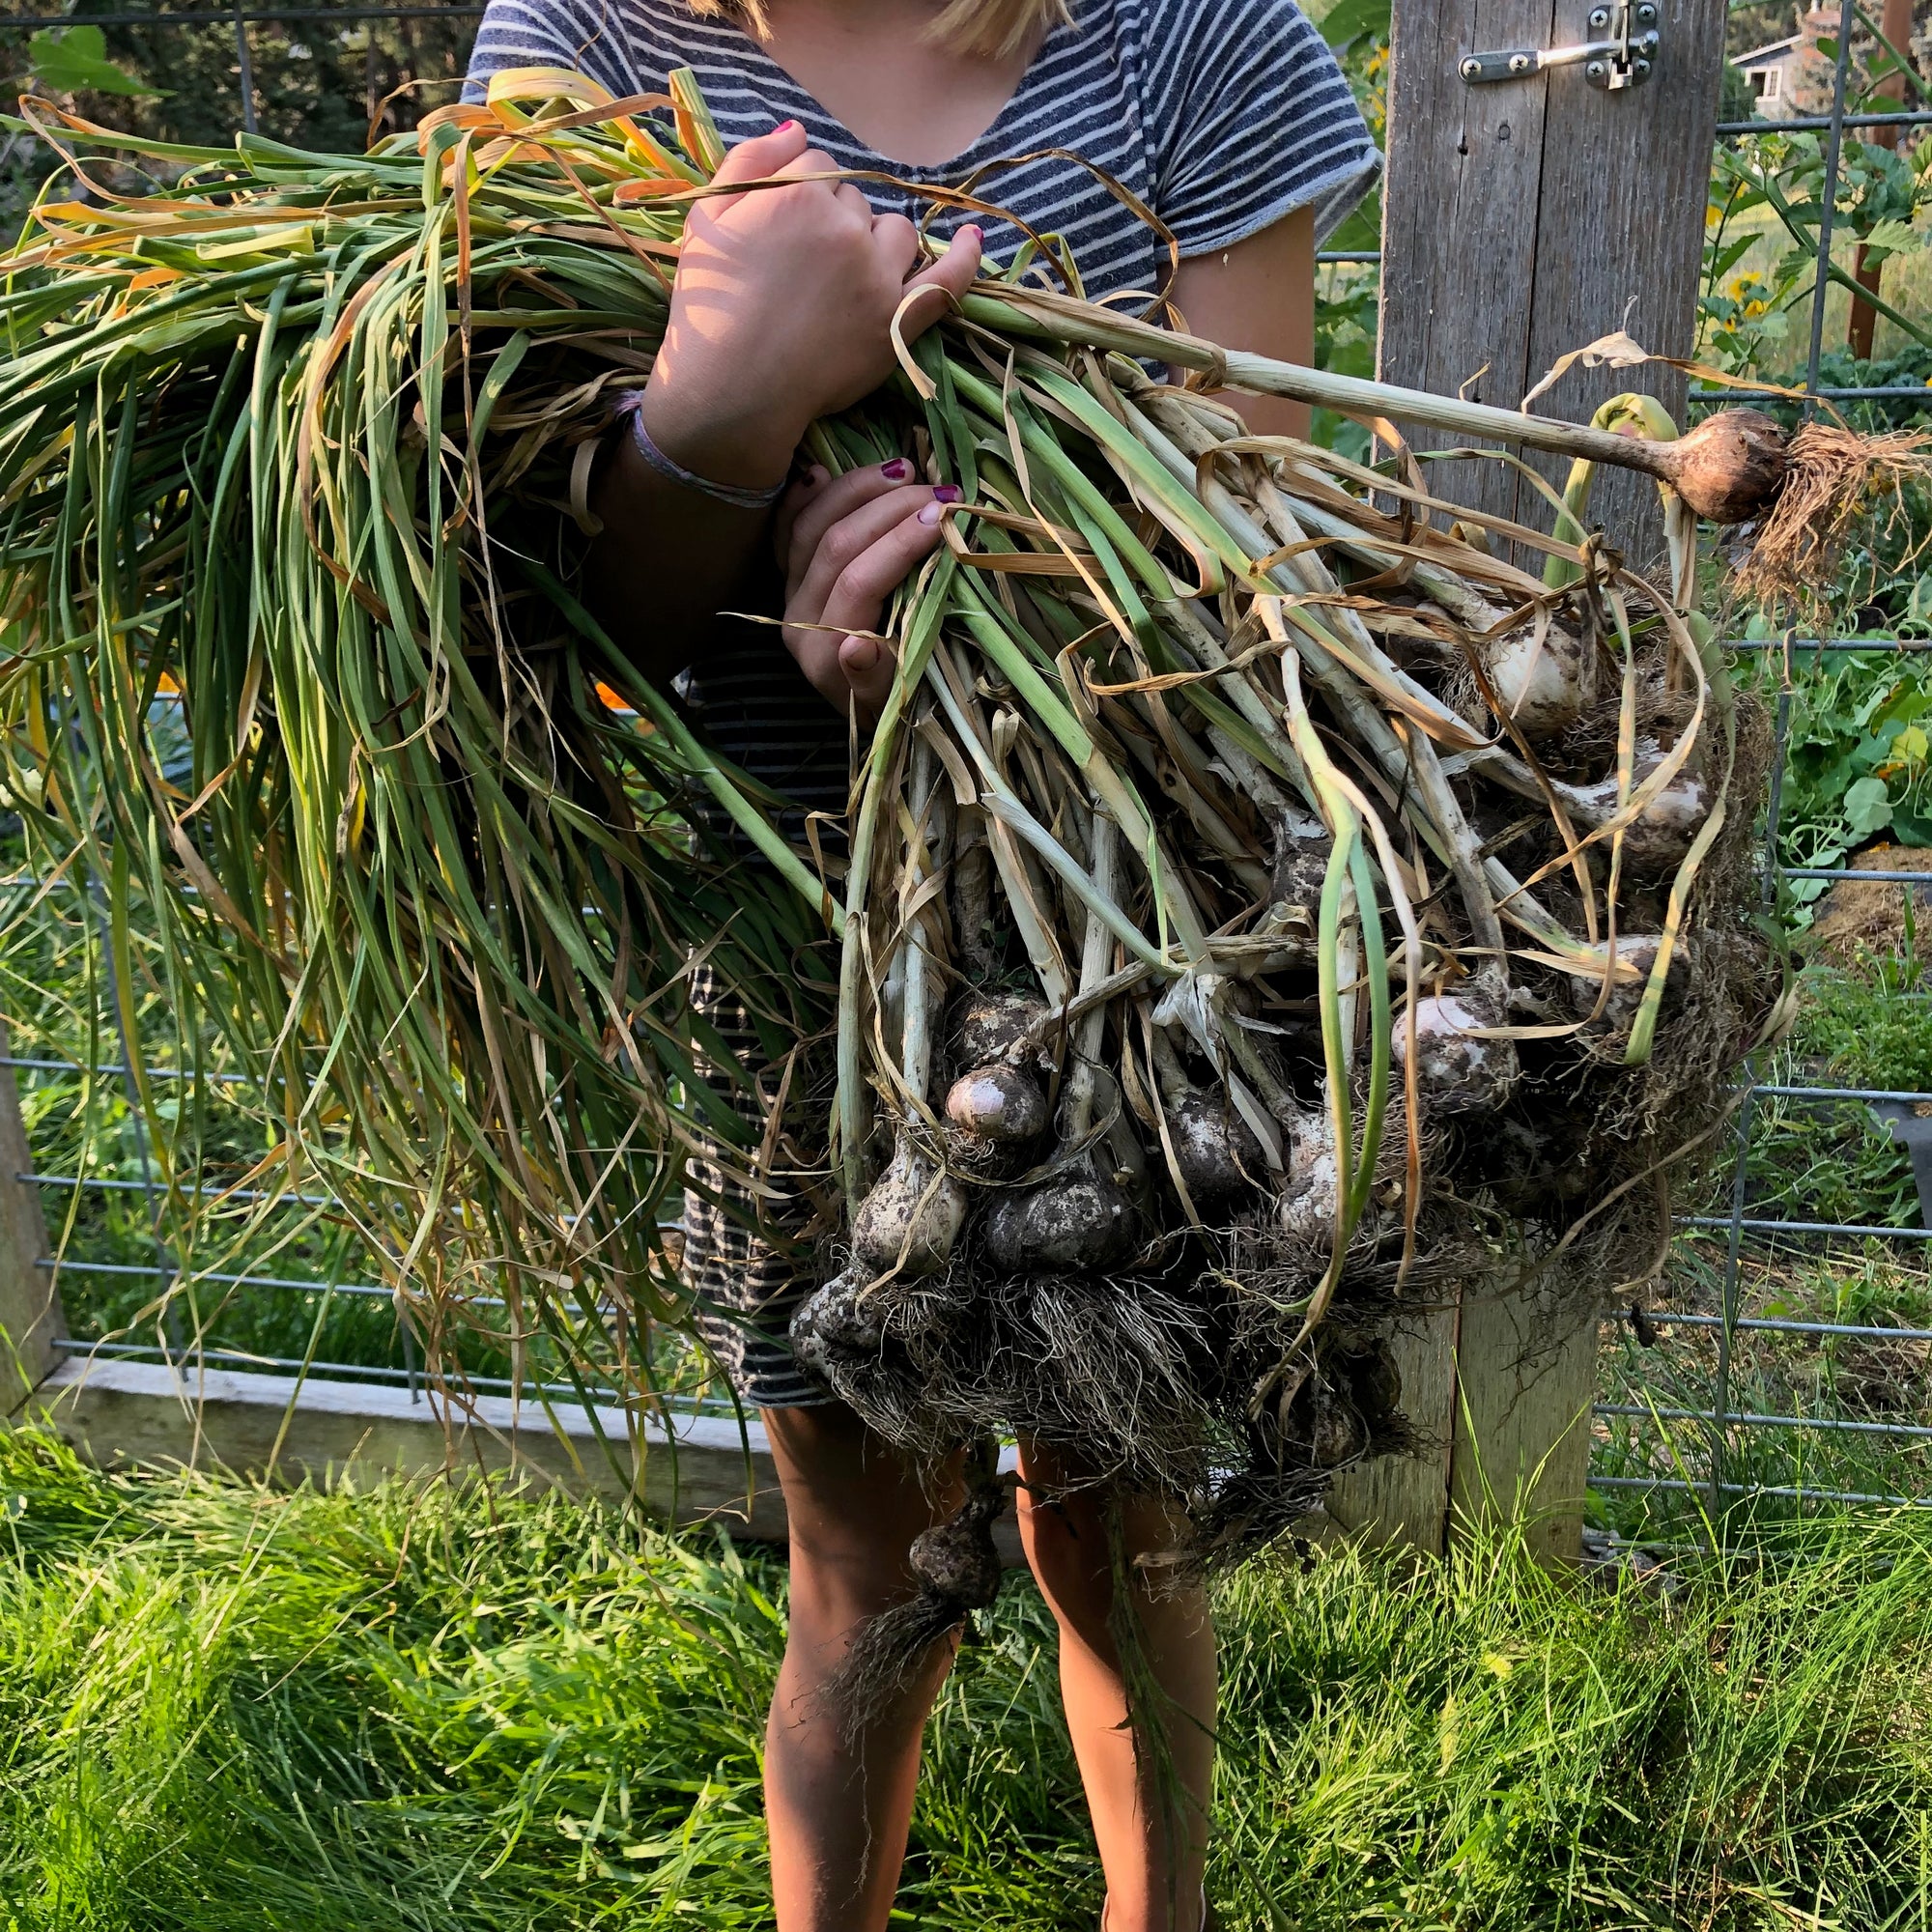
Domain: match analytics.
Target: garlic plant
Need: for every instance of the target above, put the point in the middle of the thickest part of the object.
(1269, 893)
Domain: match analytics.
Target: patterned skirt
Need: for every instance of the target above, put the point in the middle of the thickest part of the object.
(750, 1259)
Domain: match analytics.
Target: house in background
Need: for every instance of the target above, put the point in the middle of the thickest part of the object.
(1793, 77)
(1772, 71)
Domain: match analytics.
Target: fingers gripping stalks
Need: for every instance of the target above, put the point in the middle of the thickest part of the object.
(845, 546)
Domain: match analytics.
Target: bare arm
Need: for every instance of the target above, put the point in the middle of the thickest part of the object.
(1259, 295)
(668, 560)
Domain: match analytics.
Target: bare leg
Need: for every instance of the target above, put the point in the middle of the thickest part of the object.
(1152, 1847)
(838, 1817)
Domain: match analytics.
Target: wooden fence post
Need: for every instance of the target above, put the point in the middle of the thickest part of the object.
(30, 1311)
(1523, 218)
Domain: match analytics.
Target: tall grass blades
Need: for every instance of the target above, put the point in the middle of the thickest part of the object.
(441, 1710)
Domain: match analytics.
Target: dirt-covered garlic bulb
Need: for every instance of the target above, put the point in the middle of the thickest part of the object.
(993, 1027)
(1080, 1221)
(912, 1217)
(837, 1324)
(1728, 468)
(1000, 1104)
(1655, 837)
(993, 1117)
(1636, 958)
(1661, 833)
(1460, 1068)
(1544, 679)
(958, 1559)
(1302, 845)
(1215, 1155)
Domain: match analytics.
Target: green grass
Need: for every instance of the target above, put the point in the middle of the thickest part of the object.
(1809, 1161)
(1817, 1160)
(221, 1708)
(55, 1002)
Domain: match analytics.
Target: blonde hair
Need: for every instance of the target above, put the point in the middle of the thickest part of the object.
(992, 29)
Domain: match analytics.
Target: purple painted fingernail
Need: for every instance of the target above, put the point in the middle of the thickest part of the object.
(898, 468)
(948, 492)
(932, 514)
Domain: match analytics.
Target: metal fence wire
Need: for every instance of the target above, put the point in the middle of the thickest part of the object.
(1699, 1447)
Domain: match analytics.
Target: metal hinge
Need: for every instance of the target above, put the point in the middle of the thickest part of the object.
(1621, 57)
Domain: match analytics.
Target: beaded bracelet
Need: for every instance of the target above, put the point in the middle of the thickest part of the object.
(668, 467)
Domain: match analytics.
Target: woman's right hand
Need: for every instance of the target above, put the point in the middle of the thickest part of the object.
(782, 311)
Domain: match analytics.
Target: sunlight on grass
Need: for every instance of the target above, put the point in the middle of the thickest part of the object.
(409, 1710)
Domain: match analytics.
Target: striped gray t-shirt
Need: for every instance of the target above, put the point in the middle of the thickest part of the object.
(1221, 115)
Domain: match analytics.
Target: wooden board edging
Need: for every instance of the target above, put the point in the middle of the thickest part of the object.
(341, 1433)
(147, 1414)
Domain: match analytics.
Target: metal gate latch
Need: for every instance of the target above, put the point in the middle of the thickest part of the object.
(1621, 58)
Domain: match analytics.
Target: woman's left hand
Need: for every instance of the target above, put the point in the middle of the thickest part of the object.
(845, 544)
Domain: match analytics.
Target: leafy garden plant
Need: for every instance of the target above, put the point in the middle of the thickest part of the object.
(1860, 761)
(1770, 188)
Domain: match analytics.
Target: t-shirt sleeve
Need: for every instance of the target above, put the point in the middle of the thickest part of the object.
(543, 33)
(1250, 118)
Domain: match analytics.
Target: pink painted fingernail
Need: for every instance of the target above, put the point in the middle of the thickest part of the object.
(785, 127)
(946, 493)
(932, 514)
(974, 229)
(898, 468)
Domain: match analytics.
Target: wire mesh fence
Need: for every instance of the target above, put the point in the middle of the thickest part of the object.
(1786, 1367)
